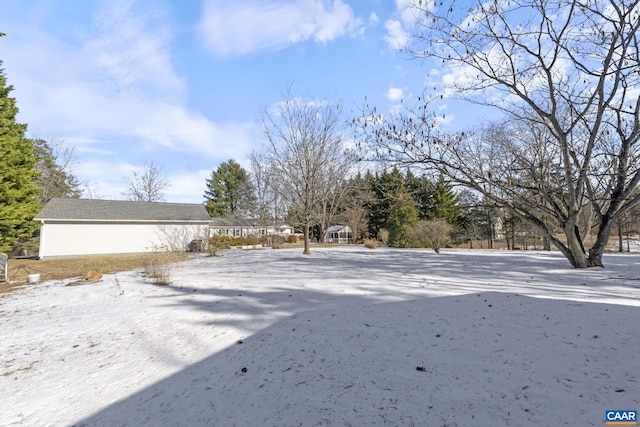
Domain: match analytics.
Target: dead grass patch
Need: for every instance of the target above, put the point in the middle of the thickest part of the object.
(67, 268)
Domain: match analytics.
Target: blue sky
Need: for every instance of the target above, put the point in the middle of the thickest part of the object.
(184, 83)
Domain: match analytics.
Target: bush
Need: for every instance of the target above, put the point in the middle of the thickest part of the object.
(430, 234)
(292, 238)
(383, 236)
(159, 266)
(252, 240)
(372, 244)
(216, 244)
(277, 242)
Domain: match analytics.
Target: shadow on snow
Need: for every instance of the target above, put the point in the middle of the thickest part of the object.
(480, 358)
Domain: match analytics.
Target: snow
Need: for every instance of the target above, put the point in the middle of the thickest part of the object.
(345, 336)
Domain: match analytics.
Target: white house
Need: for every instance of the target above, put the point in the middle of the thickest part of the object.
(339, 234)
(236, 227)
(71, 227)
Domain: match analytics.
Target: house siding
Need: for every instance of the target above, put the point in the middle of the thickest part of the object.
(71, 227)
(95, 238)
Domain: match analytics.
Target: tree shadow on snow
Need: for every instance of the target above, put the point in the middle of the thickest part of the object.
(485, 358)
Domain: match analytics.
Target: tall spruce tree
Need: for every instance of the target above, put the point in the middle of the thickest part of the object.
(422, 191)
(384, 185)
(403, 215)
(230, 192)
(445, 202)
(19, 193)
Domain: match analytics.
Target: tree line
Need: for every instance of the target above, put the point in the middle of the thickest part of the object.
(565, 75)
(395, 207)
(560, 167)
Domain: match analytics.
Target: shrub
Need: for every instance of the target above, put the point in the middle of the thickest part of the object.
(430, 234)
(215, 244)
(372, 244)
(277, 242)
(252, 240)
(159, 267)
(292, 238)
(383, 236)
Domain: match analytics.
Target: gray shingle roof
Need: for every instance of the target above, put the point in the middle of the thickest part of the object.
(230, 222)
(119, 210)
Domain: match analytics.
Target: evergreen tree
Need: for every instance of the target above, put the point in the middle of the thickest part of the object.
(422, 191)
(403, 215)
(19, 194)
(385, 186)
(445, 202)
(230, 192)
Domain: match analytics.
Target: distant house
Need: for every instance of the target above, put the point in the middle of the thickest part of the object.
(339, 234)
(72, 227)
(236, 227)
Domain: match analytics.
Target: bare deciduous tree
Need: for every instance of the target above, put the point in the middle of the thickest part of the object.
(56, 162)
(567, 74)
(268, 203)
(306, 153)
(147, 185)
(355, 214)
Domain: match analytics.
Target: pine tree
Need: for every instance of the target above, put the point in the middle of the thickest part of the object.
(385, 186)
(422, 191)
(230, 192)
(445, 202)
(19, 194)
(402, 217)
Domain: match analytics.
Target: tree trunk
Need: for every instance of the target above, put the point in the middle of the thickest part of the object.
(597, 250)
(628, 246)
(620, 247)
(574, 250)
(306, 240)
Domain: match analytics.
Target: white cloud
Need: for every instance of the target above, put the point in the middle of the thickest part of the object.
(238, 28)
(373, 19)
(187, 186)
(396, 36)
(394, 94)
(179, 129)
(131, 46)
(116, 85)
(113, 94)
(407, 12)
(104, 179)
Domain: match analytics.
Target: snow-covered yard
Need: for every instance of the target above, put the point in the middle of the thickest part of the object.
(345, 336)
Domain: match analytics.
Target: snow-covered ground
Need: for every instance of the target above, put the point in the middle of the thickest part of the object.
(345, 336)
